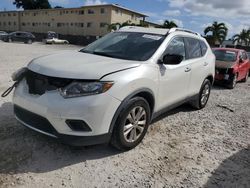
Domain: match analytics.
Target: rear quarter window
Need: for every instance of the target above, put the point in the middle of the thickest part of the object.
(203, 48)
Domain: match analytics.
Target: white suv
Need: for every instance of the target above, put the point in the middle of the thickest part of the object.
(110, 91)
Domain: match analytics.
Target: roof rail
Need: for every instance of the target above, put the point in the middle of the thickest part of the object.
(184, 30)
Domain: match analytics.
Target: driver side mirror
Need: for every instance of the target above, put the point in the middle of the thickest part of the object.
(172, 59)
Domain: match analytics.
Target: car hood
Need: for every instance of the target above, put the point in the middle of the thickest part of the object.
(224, 64)
(78, 65)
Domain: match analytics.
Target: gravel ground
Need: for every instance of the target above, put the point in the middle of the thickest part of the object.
(183, 148)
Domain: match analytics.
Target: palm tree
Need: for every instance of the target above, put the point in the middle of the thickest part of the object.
(169, 24)
(218, 31)
(242, 38)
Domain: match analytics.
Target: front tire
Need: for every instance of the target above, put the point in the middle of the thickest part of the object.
(246, 77)
(204, 94)
(233, 82)
(132, 124)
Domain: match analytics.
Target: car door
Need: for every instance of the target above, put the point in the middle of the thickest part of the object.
(243, 65)
(17, 37)
(174, 79)
(198, 63)
(23, 37)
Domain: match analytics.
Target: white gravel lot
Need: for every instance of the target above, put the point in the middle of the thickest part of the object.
(183, 148)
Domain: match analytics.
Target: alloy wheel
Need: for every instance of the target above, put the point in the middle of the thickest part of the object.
(247, 76)
(205, 94)
(234, 81)
(135, 124)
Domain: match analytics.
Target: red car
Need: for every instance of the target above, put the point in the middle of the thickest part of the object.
(232, 65)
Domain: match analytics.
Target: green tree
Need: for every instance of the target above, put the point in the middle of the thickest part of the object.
(242, 38)
(169, 24)
(218, 32)
(32, 4)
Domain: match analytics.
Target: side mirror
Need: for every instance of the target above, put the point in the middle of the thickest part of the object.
(172, 59)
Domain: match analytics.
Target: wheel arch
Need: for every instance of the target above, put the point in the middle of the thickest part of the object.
(145, 93)
(210, 78)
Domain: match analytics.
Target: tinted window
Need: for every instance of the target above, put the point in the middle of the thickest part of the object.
(225, 55)
(126, 45)
(193, 48)
(176, 47)
(203, 48)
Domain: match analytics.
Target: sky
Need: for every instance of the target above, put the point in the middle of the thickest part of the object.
(190, 14)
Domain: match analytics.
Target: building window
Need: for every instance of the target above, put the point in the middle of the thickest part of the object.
(116, 11)
(9, 23)
(59, 24)
(67, 12)
(81, 12)
(102, 10)
(23, 24)
(132, 16)
(9, 14)
(89, 24)
(71, 24)
(90, 11)
(103, 24)
(81, 24)
(14, 14)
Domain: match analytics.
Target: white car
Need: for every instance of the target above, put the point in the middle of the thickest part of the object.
(110, 91)
(55, 41)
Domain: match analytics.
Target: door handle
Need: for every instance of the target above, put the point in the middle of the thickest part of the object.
(206, 64)
(187, 69)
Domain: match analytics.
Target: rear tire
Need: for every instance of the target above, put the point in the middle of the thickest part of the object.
(204, 94)
(131, 125)
(9, 40)
(29, 41)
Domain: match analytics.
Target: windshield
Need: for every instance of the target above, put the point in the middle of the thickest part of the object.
(126, 45)
(224, 55)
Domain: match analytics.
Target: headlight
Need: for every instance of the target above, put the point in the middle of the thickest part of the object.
(78, 89)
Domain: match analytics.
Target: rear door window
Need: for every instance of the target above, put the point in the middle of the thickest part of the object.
(193, 48)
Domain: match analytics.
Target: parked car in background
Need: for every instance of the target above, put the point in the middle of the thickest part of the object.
(20, 36)
(232, 65)
(2, 34)
(112, 89)
(248, 54)
(52, 38)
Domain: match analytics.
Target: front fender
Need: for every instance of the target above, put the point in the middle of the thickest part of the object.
(132, 80)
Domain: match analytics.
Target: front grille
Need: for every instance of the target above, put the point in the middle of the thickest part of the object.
(224, 71)
(34, 120)
(38, 84)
